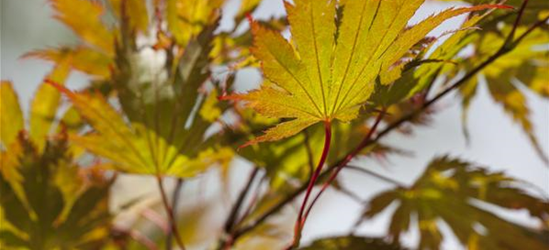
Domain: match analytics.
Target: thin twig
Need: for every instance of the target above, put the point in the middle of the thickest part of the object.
(350, 194)
(530, 29)
(169, 211)
(229, 223)
(511, 35)
(175, 200)
(253, 201)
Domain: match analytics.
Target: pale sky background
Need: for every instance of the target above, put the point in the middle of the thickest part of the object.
(495, 140)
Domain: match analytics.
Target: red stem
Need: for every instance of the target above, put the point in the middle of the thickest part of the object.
(300, 219)
(340, 166)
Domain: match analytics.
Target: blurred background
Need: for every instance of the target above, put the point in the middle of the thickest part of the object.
(495, 141)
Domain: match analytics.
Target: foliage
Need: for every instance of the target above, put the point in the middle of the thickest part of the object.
(321, 83)
(48, 201)
(164, 100)
(449, 188)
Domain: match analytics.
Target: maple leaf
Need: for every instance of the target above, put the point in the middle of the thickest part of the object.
(453, 191)
(84, 18)
(134, 148)
(38, 165)
(330, 73)
(416, 79)
(526, 64)
(52, 205)
(84, 59)
(43, 109)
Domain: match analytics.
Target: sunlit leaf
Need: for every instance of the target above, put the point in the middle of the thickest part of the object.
(45, 104)
(81, 58)
(331, 72)
(535, 10)
(11, 120)
(84, 18)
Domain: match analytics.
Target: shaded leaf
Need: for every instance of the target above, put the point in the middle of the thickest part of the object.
(451, 190)
(42, 224)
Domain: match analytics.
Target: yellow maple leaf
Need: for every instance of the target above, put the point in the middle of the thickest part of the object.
(327, 71)
(84, 18)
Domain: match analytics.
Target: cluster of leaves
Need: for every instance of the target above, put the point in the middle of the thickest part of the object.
(522, 68)
(48, 201)
(153, 108)
(161, 136)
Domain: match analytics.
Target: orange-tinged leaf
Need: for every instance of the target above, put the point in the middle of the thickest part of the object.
(11, 118)
(282, 131)
(330, 72)
(84, 18)
(81, 58)
(44, 105)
